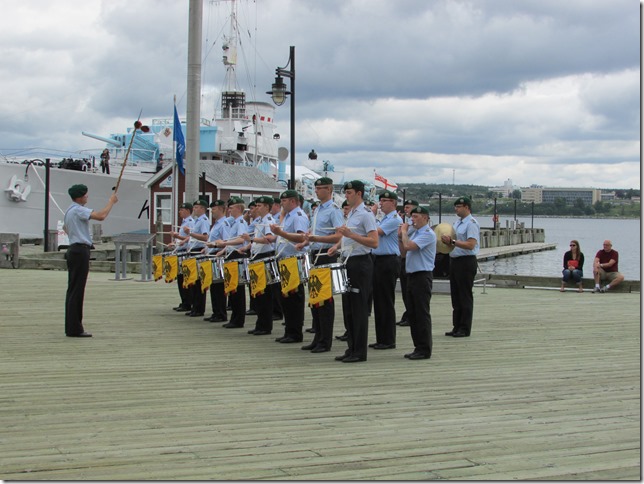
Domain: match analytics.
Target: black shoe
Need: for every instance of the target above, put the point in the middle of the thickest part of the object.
(288, 339)
(407, 355)
(84, 334)
(261, 332)
(460, 334)
(381, 346)
(418, 356)
(310, 330)
(403, 323)
(344, 337)
(182, 308)
(353, 359)
(214, 319)
(279, 340)
(320, 349)
(373, 345)
(277, 317)
(196, 315)
(230, 325)
(341, 357)
(251, 312)
(450, 333)
(308, 347)
(252, 331)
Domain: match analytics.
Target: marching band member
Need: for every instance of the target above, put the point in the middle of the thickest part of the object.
(199, 234)
(182, 238)
(386, 270)
(421, 253)
(220, 231)
(322, 236)
(294, 225)
(408, 205)
(359, 236)
(261, 248)
(238, 228)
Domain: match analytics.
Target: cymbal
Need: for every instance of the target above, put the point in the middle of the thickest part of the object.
(440, 230)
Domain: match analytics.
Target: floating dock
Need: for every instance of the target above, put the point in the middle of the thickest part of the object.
(546, 388)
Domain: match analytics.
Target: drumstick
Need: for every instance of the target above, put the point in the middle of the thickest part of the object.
(137, 125)
(336, 228)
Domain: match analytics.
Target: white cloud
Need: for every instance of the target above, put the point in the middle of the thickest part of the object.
(538, 91)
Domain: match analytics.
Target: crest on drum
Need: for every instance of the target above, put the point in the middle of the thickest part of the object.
(315, 285)
(202, 273)
(185, 271)
(285, 274)
(227, 275)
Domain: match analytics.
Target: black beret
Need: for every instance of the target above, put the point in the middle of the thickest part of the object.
(77, 191)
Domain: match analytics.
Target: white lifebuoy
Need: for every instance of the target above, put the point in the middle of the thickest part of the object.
(18, 189)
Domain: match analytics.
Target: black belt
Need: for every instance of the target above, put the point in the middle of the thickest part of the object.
(386, 255)
(81, 245)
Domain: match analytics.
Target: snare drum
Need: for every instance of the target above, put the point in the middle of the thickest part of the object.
(303, 266)
(242, 267)
(271, 269)
(339, 280)
(217, 269)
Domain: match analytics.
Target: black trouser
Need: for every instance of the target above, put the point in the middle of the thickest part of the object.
(263, 303)
(462, 271)
(293, 309)
(237, 298)
(403, 287)
(184, 293)
(277, 302)
(218, 300)
(419, 294)
(385, 274)
(355, 304)
(324, 315)
(77, 271)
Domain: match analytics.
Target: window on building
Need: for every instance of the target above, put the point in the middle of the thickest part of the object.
(163, 211)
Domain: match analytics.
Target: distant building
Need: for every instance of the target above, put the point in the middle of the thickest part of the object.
(549, 195)
(608, 196)
(505, 190)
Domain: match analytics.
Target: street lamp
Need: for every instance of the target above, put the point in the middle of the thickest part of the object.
(278, 94)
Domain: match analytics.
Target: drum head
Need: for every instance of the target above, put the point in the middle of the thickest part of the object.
(440, 230)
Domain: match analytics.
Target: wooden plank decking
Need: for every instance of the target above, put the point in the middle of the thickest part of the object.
(547, 387)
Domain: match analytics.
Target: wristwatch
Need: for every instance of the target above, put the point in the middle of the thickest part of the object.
(453, 242)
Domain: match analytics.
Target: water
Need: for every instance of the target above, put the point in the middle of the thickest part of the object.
(591, 233)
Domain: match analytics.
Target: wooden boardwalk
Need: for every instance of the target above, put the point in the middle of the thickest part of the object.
(547, 387)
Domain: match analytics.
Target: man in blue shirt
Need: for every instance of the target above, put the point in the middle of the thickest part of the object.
(182, 239)
(359, 236)
(326, 217)
(421, 253)
(462, 267)
(295, 224)
(386, 269)
(199, 235)
(76, 226)
(218, 231)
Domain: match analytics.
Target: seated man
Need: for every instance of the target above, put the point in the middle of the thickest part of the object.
(605, 268)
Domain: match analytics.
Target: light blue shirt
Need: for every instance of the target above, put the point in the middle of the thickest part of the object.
(201, 227)
(388, 243)
(219, 231)
(468, 228)
(77, 224)
(237, 229)
(423, 258)
(361, 221)
(326, 218)
(294, 222)
(262, 229)
(186, 222)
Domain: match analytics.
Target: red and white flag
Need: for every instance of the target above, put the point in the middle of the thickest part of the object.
(382, 182)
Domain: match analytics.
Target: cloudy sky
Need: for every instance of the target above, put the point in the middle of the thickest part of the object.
(542, 92)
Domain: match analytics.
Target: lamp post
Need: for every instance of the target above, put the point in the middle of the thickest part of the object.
(278, 94)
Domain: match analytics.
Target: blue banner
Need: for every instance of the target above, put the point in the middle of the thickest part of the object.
(180, 140)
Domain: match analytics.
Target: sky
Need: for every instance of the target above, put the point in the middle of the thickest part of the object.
(422, 91)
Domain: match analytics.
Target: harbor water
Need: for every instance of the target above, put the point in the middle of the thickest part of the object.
(591, 233)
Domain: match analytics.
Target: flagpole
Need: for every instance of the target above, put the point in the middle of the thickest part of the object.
(173, 198)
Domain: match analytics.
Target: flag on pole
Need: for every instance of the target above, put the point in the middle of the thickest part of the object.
(382, 182)
(179, 139)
